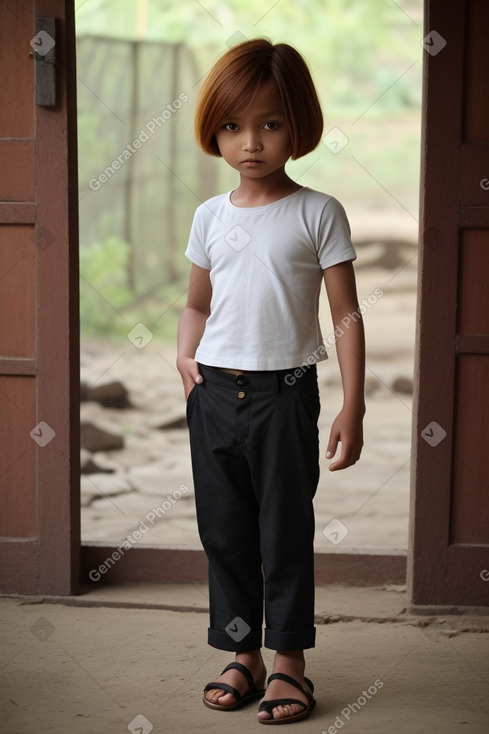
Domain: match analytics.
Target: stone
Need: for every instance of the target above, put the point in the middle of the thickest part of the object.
(109, 394)
(371, 385)
(168, 422)
(160, 478)
(403, 384)
(90, 465)
(95, 437)
(101, 486)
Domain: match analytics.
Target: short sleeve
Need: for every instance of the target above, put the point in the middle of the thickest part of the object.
(334, 236)
(195, 248)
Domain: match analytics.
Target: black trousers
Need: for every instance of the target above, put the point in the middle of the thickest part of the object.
(255, 461)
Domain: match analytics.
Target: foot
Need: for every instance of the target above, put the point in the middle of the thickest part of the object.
(251, 660)
(291, 663)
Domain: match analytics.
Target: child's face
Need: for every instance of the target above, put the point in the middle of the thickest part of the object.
(256, 139)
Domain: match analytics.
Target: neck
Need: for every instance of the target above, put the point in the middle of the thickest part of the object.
(256, 192)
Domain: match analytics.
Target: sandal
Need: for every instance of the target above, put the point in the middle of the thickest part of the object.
(241, 700)
(268, 706)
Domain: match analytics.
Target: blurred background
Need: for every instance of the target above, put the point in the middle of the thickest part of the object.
(141, 177)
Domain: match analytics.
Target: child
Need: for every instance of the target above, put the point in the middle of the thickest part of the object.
(248, 343)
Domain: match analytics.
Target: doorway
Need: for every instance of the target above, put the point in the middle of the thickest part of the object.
(141, 178)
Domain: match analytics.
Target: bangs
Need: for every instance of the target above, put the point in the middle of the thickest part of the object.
(235, 91)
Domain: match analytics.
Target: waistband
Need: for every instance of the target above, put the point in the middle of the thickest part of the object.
(275, 380)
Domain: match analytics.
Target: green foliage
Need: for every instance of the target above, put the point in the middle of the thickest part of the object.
(108, 307)
(103, 287)
(93, 146)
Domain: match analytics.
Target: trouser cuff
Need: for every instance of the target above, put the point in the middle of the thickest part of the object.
(290, 640)
(233, 642)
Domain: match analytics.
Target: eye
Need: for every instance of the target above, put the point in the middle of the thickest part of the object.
(231, 126)
(271, 125)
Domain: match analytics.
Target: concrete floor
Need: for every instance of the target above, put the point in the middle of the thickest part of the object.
(135, 659)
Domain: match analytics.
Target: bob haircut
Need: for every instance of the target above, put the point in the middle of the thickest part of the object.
(236, 77)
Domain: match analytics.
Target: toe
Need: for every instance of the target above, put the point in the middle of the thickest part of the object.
(280, 712)
(217, 695)
(283, 712)
(226, 699)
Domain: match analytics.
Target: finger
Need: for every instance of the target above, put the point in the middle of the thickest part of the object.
(195, 374)
(192, 378)
(348, 457)
(340, 464)
(337, 465)
(332, 445)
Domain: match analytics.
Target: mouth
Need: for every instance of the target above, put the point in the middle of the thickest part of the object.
(252, 160)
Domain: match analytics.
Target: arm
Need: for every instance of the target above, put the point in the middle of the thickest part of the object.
(350, 348)
(191, 326)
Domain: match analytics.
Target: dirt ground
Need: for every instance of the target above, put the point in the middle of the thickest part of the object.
(376, 669)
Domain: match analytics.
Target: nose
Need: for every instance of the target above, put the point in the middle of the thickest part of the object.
(251, 142)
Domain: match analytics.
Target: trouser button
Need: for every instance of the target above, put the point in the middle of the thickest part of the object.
(241, 394)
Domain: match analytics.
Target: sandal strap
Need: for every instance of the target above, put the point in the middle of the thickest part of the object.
(230, 689)
(268, 706)
(224, 687)
(243, 670)
(288, 679)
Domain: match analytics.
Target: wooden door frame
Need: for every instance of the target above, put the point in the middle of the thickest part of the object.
(441, 572)
(49, 562)
(437, 263)
(58, 312)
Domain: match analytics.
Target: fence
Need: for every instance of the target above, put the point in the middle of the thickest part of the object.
(140, 175)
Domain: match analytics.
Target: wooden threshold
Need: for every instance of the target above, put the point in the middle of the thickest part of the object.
(106, 564)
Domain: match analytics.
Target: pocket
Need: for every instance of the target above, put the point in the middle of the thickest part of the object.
(309, 398)
(190, 399)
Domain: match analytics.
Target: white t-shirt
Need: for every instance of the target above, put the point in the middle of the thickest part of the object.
(266, 267)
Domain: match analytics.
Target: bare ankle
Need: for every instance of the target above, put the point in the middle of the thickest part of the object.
(250, 658)
(290, 658)
(292, 654)
(254, 654)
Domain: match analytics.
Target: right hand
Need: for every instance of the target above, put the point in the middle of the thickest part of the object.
(189, 372)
